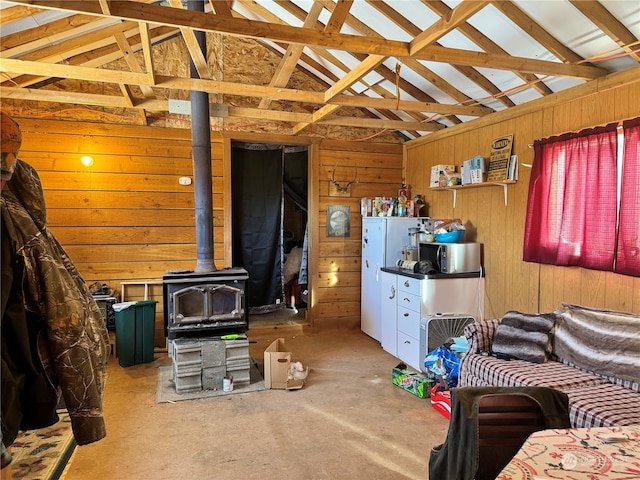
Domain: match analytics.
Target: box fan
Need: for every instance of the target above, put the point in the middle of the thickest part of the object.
(441, 329)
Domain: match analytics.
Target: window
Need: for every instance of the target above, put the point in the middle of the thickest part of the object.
(584, 200)
(628, 252)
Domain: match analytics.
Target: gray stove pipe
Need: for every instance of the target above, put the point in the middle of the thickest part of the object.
(201, 147)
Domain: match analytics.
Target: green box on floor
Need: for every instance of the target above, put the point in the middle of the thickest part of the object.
(413, 382)
(135, 330)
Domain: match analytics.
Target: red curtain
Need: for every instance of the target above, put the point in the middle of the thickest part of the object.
(572, 205)
(628, 252)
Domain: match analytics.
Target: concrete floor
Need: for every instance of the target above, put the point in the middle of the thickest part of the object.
(348, 422)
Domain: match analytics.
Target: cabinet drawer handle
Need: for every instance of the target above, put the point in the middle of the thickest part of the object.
(407, 300)
(406, 341)
(406, 314)
(406, 283)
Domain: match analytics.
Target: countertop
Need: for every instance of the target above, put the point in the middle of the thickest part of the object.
(422, 276)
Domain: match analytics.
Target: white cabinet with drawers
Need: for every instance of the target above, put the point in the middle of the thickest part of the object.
(408, 314)
(406, 300)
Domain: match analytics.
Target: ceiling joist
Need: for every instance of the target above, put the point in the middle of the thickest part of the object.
(136, 12)
(415, 66)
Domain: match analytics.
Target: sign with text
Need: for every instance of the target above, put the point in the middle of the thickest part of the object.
(499, 158)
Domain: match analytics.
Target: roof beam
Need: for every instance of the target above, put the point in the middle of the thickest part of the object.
(56, 96)
(113, 101)
(91, 50)
(327, 55)
(386, 72)
(195, 51)
(221, 7)
(535, 31)
(448, 22)
(215, 86)
(338, 16)
(488, 46)
(145, 41)
(21, 43)
(104, 5)
(388, 124)
(368, 64)
(290, 58)
(132, 62)
(18, 12)
(129, 100)
(230, 25)
(61, 51)
(315, 118)
(371, 62)
(376, 123)
(410, 106)
(371, 45)
(70, 71)
(610, 25)
(508, 62)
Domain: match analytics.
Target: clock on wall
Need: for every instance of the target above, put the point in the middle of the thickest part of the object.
(338, 221)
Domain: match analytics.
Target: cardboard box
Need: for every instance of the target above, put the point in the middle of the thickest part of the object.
(412, 382)
(474, 170)
(451, 179)
(478, 169)
(276, 368)
(435, 174)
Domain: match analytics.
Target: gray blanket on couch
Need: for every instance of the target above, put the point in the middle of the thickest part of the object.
(600, 341)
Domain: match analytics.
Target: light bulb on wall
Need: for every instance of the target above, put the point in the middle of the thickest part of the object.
(87, 161)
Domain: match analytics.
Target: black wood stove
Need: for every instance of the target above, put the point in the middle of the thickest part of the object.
(200, 304)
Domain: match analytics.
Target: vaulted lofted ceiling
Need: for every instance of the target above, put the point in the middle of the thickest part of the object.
(407, 66)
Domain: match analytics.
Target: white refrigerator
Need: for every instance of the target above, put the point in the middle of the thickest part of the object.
(382, 241)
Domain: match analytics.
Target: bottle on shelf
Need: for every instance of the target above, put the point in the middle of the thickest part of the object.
(419, 205)
(402, 206)
(402, 201)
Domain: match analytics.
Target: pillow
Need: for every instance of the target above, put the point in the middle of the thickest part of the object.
(602, 341)
(524, 336)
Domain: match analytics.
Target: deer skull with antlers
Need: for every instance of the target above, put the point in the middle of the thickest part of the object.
(340, 188)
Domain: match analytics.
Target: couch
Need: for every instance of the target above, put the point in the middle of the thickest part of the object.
(591, 355)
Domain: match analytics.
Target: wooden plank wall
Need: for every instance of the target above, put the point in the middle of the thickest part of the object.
(127, 218)
(510, 282)
(378, 169)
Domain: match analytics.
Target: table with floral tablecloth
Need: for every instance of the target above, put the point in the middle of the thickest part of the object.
(578, 453)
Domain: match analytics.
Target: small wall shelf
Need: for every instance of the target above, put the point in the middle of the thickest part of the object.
(454, 189)
(145, 283)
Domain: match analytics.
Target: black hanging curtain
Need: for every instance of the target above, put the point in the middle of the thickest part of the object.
(257, 175)
(295, 175)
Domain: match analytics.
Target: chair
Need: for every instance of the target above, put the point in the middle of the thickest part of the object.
(489, 425)
(504, 423)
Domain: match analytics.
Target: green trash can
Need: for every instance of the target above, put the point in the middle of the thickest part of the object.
(135, 325)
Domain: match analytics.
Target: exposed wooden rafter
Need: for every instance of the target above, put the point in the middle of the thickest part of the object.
(394, 81)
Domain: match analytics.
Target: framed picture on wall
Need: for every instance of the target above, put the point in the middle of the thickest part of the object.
(338, 221)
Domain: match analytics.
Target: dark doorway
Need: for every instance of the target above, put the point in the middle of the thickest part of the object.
(269, 203)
